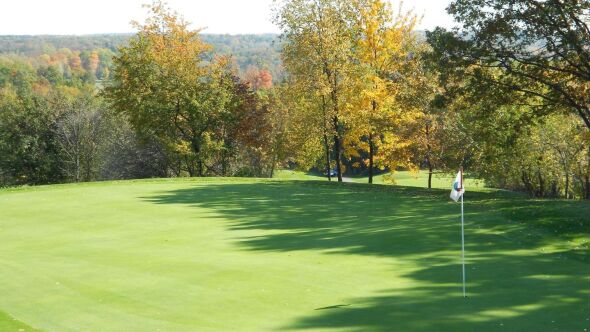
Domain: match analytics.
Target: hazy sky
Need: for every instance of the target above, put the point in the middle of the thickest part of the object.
(19, 17)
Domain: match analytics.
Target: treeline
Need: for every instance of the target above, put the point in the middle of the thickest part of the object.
(516, 77)
(63, 120)
(208, 121)
(38, 45)
(357, 82)
(247, 51)
(504, 96)
(54, 131)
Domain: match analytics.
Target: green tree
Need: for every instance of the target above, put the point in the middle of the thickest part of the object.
(80, 131)
(538, 48)
(163, 84)
(29, 152)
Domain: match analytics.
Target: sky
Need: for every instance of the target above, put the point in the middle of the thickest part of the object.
(79, 17)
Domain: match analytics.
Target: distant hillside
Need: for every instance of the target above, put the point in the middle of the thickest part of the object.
(262, 51)
(41, 44)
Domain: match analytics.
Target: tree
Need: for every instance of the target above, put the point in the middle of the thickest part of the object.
(282, 138)
(165, 86)
(246, 134)
(319, 31)
(52, 74)
(75, 61)
(93, 62)
(29, 153)
(538, 48)
(126, 155)
(384, 46)
(257, 78)
(297, 134)
(80, 131)
(564, 144)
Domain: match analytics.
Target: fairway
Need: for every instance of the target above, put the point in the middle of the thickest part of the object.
(266, 255)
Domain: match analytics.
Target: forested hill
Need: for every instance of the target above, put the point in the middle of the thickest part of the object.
(43, 44)
(261, 51)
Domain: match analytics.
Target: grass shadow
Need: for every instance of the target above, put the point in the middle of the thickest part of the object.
(528, 269)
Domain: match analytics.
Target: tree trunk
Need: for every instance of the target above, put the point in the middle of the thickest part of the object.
(587, 178)
(371, 153)
(326, 142)
(337, 148)
(223, 167)
(567, 185)
(430, 171)
(223, 163)
(327, 146)
(527, 181)
(336, 123)
(178, 168)
(77, 167)
(272, 165)
(190, 167)
(554, 190)
(371, 145)
(541, 184)
(195, 143)
(428, 153)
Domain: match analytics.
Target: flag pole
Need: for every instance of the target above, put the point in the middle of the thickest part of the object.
(463, 235)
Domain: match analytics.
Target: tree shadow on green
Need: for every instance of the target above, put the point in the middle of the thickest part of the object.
(522, 275)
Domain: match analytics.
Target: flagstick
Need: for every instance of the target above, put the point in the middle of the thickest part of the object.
(463, 245)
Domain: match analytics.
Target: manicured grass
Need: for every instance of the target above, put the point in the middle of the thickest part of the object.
(420, 179)
(259, 255)
(283, 174)
(400, 178)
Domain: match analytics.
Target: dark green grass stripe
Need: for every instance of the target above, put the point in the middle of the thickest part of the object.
(10, 324)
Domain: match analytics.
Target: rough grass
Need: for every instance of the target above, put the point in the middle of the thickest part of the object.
(257, 255)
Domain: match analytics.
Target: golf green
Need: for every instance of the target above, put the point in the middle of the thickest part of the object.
(261, 255)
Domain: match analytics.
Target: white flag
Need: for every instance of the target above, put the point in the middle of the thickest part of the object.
(458, 187)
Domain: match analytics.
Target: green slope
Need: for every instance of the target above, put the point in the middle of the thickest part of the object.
(257, 255)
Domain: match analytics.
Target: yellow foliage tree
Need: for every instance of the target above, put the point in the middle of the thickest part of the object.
(318, 47)
(383, 116)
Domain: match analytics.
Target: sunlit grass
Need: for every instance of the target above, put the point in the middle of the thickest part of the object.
(400, 178)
